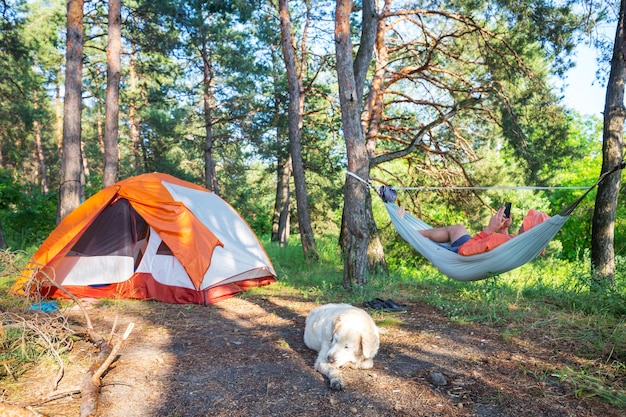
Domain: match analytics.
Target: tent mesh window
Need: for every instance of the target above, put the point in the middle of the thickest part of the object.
(118, 230)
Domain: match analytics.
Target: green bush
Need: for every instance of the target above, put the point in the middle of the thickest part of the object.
(26, 215)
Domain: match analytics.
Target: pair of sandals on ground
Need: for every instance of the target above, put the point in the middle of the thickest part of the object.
(385, 305)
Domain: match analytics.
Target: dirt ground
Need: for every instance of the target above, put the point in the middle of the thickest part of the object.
(245, 357)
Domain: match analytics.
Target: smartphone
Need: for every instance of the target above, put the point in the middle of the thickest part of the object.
(507, 209)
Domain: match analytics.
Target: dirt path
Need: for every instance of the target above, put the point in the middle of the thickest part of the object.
(245, 357)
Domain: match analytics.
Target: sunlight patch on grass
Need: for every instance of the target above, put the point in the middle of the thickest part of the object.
(389, 321)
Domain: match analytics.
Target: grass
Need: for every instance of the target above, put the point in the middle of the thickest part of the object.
(592, 384)
(548, 298)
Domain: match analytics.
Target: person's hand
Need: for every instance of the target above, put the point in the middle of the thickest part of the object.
(505, 226)
(497, 222)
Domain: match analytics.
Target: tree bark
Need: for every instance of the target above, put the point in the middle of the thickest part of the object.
(603, 223)
(280, 226)
(282, 204)
(132, 112)
(351, 78)
(209, 160)
(114, 73)
(370, 122)
(3, 242)
(71, 162)
(43, 177)
(295, 115)
(58, 110)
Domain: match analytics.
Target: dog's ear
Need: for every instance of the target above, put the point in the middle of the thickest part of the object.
(369, 342)
(336, 324)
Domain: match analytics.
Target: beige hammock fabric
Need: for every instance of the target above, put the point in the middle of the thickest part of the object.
(508, 256)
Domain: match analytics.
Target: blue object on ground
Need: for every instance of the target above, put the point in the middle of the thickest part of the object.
(46, 306)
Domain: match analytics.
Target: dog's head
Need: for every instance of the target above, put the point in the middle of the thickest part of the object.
(353, 339)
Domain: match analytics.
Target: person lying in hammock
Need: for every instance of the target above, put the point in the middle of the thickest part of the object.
(495, 234)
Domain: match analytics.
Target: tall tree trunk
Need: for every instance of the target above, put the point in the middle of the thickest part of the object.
(99, 122)
(210, 171)
(280, 225)
(3, 242)
(43, 177)
(84, 175)
(144, 151)
(282, 203)
(370, 122)
(602, 232)
(71, 163)
(295, 115)
(351, 79)
(59, 113)
(114, 73)
(132, 112)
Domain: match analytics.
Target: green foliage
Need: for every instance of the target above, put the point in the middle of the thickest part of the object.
(29, 226)
(26, 215)
(580, 171)
(321, 281)
(246, 190)
(15, 352)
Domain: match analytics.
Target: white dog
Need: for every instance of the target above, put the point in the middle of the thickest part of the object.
(343, 335)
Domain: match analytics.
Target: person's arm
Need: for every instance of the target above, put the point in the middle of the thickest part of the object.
(493, 235)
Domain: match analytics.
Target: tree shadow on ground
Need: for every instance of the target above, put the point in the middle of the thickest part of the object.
(245, 356)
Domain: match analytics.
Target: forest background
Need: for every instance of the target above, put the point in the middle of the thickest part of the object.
(248, 99)
(204, 95)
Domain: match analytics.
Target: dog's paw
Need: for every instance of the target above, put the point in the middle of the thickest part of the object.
(337, 384)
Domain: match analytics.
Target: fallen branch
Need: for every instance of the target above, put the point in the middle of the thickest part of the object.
(54, 397)
(109, 360)
(92, 381)
(69, 294)
(91, 384)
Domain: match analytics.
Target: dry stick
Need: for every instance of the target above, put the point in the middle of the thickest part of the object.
(113, 328)
(56, 355)
(91, 382)
(51, 347)
(105, 365)
(7, 368)
(93, 335)
(54, 397)
(73, 297)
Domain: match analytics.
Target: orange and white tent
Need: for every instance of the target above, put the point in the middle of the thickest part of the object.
(152, 236)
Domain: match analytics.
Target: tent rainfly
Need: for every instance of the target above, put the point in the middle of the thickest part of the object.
(152, 236)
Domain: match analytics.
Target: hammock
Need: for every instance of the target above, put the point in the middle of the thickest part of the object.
(503, 258)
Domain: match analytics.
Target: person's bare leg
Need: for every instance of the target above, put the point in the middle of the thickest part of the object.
(445, 234)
